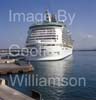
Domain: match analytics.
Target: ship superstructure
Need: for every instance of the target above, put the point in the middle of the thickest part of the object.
(49, 40)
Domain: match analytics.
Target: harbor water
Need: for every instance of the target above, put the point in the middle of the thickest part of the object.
(82, 64)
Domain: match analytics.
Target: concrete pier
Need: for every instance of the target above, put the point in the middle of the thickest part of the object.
(7, 61)
(13, 68)
(7, 93)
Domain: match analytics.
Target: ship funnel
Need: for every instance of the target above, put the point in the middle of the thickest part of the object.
(48, 16)
(53, 18)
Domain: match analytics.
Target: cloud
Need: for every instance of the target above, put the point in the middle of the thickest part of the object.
(85, 41)
(90, 36)
(86, 36)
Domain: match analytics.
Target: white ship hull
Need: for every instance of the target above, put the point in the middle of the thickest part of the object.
(62, 54)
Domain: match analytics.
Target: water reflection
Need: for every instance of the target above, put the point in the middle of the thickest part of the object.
(54, 69)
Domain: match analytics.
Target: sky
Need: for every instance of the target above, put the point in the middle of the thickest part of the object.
(83, 27)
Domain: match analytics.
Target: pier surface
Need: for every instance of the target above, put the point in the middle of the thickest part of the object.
(7, 93)
(13, 68)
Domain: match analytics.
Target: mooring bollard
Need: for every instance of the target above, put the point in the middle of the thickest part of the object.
(36, 95)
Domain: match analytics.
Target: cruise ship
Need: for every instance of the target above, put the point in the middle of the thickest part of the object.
(48, 40)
